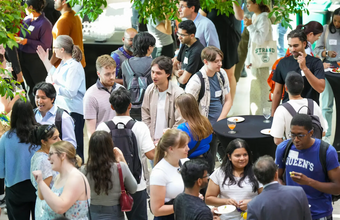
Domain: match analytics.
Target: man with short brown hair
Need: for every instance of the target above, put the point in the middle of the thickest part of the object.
(97, 107)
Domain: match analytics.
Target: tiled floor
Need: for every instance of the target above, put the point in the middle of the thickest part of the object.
(240, 107)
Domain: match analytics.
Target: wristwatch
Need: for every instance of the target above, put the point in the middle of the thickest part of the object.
(326, 53)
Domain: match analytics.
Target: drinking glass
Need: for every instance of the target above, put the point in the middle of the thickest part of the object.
(266, 114)
(231, 125)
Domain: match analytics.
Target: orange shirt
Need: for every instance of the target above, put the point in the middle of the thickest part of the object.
(69, 24)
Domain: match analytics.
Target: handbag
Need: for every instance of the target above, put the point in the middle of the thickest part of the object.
(263, 55)
(126, 200)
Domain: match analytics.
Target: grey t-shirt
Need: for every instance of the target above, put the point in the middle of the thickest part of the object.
(190, 207)
(332, 43)
(162, 39)
(114, 194)
(215, 107)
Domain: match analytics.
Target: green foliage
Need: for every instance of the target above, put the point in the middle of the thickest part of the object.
(157, 9)
(91, 8)
(10, 17)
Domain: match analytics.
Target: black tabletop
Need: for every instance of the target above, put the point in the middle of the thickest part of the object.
(249, 128)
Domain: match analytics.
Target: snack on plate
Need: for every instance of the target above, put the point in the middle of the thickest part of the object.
(336, 70)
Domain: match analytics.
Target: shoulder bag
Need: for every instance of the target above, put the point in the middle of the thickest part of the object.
(126, 200)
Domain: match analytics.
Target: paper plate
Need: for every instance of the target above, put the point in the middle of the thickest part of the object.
(236, 119)
(266, 131)
(225, 209)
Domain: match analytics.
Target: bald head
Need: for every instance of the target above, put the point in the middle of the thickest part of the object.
(129, 34)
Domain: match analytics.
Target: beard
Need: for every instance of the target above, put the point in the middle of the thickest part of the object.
(128, 47)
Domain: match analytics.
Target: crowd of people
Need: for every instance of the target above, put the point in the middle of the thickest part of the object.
(153, 106)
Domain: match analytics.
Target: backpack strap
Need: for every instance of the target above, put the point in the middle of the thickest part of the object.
(310, 106)
(130, 124)
(289, 108)
(223, 82)
(202, 91)
(192, 150)
(287, 149)
(111, 125)
(58, 121)
(323, 156)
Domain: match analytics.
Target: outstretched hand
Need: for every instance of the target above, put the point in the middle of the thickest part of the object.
(43, 55)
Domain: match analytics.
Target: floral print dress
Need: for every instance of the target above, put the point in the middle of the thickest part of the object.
(78, 211)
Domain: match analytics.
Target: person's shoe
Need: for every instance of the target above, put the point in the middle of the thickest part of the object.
(5, 211)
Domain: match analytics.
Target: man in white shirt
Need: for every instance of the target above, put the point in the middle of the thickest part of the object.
(158, 108)
(281, 121)
(97, 107)
(121, 102)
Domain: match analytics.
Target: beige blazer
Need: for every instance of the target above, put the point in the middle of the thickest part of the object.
(149, 107)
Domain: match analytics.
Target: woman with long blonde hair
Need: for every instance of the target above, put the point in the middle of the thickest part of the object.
(165, 181)
(70, 195)
(197, 127)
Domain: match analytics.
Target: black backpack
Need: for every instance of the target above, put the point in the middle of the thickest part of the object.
(322, 157)
(126, 141)
(138, 84)
(315, 119)
(57, 120)
(202, 91)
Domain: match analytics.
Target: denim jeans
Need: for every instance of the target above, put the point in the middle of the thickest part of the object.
(327, 102)
(281, 31)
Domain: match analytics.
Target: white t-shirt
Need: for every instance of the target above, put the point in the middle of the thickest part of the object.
(161, 122)
(233, 192)
(144, 140)
(282, 118)
(164, 174)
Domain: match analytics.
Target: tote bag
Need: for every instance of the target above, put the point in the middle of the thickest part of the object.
(263, 55)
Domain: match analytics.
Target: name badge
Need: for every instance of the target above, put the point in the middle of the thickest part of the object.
(333, 42)
(293, 154)
(185, 61)
(218, 93)
(31, 28)
(302, 73)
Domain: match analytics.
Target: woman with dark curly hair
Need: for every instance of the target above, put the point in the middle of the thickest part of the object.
(15, 161)
(234, 183)
(44, 136)
(102, 173)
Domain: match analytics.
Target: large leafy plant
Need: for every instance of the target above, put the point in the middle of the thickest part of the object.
(161, 8)
(10, 24)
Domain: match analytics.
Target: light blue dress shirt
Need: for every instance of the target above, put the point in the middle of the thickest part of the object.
(69, 81)
(206, 31)
(67, 124)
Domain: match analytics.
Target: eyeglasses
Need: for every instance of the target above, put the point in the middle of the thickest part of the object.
(54, 48)
(299, 136)
(49, 128)
(182, 6)
(206, 176)
(182, 35)
(51, 153)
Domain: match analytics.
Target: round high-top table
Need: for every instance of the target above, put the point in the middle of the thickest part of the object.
(249, 130)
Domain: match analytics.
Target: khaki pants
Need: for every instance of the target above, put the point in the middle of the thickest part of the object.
(259, 91)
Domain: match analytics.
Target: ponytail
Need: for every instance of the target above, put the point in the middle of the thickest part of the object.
(76, 53)
(77, 161)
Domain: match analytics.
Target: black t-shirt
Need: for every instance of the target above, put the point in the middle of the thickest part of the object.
(190, 57)
(288, 64)
(190, 207)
